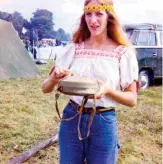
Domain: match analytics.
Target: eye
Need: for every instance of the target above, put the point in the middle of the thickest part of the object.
(99, 13)
(88, 13)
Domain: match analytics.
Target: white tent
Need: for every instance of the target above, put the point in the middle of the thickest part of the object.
(15, 61)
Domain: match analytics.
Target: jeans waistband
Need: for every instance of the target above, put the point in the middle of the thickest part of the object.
(88, 110)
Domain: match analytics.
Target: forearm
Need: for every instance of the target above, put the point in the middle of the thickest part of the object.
(48, 84)
(126, 98)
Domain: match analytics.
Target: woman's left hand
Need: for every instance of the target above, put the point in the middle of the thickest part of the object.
(101, 92)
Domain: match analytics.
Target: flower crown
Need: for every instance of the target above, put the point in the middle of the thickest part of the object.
(99, 7)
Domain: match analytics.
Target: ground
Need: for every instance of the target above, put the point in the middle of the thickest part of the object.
(28, 117)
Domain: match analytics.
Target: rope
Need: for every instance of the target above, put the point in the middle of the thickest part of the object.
(57, 109)
(85, 99)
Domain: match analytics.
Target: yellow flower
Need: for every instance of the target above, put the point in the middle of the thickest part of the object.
(106, 7)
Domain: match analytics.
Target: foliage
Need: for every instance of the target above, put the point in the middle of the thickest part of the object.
(42, 22)
(16, 18)
(18, 21)
(5, 16)
(61, 35)
(40, 25)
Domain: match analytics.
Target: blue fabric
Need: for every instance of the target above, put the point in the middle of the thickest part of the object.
(100, 147)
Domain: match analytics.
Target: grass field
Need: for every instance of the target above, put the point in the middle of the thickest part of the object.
(27, 116)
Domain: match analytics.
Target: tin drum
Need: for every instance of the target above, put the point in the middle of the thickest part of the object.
(78, 86)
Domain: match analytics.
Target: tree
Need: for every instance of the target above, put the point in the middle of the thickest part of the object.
(68, 37)
(40, 25)
(62, 36)
(27, 24)
(5, 16)
(42, 22)
(18, 21)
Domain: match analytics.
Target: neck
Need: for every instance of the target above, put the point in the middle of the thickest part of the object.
(98, 40)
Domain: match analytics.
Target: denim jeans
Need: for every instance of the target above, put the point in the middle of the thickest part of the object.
(101, 147)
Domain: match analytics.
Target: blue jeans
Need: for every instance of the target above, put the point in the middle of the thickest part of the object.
(101, 147)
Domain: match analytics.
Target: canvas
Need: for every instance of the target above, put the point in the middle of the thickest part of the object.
(15, 62)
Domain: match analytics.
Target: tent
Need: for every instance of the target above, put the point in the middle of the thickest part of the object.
(15, 62)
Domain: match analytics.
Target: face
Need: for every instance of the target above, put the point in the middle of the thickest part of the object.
(96, 21)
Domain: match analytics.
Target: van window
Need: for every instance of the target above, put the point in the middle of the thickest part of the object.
(129, 34)
(144, 38)
(161, 39)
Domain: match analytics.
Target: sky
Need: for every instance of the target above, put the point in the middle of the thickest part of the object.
(67, 12)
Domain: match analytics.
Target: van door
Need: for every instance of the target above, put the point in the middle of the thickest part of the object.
(147, 51)
(147, 57)
(159, 52)
(159, 65)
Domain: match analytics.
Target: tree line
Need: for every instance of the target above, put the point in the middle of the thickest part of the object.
(40, 26)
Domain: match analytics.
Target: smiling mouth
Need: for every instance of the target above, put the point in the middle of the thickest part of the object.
(94, 27)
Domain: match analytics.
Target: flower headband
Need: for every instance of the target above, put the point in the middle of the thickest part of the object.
(99, 7)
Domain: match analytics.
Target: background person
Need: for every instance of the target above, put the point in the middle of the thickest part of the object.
(34, 52)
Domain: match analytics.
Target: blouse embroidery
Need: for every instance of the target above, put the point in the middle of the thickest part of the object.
(114, 55)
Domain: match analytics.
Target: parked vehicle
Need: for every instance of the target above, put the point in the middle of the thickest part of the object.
(147, 40)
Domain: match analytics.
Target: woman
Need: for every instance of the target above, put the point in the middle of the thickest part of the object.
(100, 50)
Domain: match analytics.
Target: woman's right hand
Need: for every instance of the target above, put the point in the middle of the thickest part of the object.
(55, 75)
(59, 73)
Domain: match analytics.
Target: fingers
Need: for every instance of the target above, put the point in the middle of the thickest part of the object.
(100, 81)
(51, 70)
(59, 73)
(98, 95)
(101, 92)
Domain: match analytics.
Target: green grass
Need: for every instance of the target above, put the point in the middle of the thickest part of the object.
(27, 116)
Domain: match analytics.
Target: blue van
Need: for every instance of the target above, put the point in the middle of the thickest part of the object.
(147, 40)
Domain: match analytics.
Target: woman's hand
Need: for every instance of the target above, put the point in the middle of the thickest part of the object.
(55, 75)
(102, 91)
(59, 73)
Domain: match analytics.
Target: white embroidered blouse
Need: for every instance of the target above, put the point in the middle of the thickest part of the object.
(117, 68)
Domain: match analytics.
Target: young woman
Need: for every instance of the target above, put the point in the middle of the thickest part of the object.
(100, 50)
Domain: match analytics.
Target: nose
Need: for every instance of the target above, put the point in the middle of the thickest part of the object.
(93, 18)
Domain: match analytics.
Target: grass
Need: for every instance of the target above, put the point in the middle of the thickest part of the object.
(27, 116)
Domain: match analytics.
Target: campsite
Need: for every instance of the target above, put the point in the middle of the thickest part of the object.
(28, 117)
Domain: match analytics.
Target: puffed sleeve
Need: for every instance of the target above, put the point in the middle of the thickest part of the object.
(128, 68)
(65, 56)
